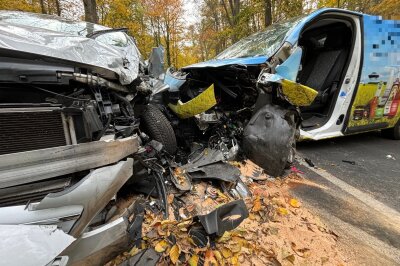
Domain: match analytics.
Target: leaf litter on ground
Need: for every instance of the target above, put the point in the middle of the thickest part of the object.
(279, 230)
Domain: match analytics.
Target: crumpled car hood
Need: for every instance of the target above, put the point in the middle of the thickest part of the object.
(73, 48)
(231, 61)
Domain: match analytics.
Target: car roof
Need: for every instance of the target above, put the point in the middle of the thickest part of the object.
(50, 22)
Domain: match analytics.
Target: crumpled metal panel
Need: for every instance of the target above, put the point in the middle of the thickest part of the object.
(93, 193)
(32, 166)
(31, 244)
(73, 48)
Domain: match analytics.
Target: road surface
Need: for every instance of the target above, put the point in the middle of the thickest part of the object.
(357, 193)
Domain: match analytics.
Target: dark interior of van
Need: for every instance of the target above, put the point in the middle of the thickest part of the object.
(327, 46)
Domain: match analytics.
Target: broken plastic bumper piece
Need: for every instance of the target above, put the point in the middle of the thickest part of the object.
(203, 102)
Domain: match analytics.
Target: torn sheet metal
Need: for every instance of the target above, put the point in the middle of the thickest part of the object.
(290, 68)
(156, 62)
(224, 218)
(174, 80)
(51, 36)
(97, 246)
(93, 193)
(268, 138)
(31, 244)
(201, 103)
(31, 166)
(219, 171)
(207, 156)
(64, 217)
(209, 164)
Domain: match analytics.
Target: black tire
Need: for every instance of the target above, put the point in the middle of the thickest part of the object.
(392, 133)
(154, 123)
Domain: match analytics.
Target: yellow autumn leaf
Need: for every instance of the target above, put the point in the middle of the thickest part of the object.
(209, 259)
(294, 203)
(219, 257)
(290, 258)
(235, 260)
(134, 251)
(257, 204)
(221, 195)
(161, 246)
(174, 253)
(282, 211)
(225, 237)
(194, 260)
(226, 252)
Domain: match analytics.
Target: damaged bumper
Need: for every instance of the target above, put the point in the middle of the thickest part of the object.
(77, 209)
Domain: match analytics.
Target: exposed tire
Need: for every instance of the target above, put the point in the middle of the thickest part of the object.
(392, 133)
(156, 125)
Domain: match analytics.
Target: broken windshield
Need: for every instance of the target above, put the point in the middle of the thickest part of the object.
(261, 43)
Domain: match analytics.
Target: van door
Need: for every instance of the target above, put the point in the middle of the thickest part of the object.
(376, 103)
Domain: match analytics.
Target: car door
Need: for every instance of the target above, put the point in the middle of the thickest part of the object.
(376, 103)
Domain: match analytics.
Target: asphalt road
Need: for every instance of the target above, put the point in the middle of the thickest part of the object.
(377, 163)
(360, 198)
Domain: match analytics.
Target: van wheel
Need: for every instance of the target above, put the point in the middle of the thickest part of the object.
(392, 133)
(156, 125)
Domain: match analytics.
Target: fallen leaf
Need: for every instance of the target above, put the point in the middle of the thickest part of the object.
(324, 260)
(294, 203)
(282, 211)
(235, 260)
(174, 253)
(194, 260)
(226, 252)
(161, 246)
(257, 204)
(209, 259)
(170, 198)
(290, 258)
(167, 222)
(184, 224)
(134, 251)
(225, 237)
(219, 257)
(221, 195)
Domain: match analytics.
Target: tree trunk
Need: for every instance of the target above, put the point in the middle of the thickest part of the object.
(268, 13)
(42, 7)
(90, 11)
(58, 7)
(168, 44)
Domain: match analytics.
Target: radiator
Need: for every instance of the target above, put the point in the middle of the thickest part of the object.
(25, 129)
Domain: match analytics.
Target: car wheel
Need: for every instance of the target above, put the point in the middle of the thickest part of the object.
(156, 125)
(392, 133)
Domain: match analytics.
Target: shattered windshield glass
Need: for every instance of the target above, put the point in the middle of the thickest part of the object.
(261, 43)
(48, 22)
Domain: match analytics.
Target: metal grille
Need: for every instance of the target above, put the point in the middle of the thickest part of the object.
(30, 130)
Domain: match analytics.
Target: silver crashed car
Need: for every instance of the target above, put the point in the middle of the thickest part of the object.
(73, 114)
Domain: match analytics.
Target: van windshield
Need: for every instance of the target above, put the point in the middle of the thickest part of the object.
(262, 43)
